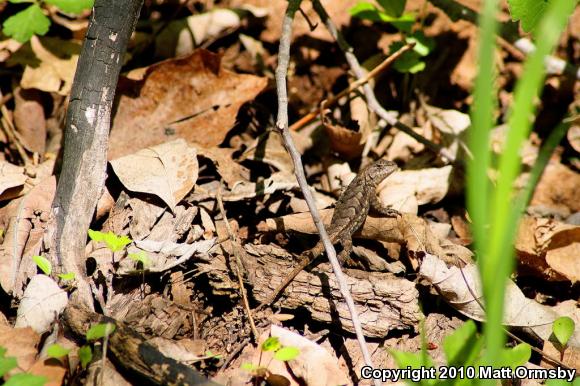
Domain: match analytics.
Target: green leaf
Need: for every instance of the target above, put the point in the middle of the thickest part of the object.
(114, 243)
(72, 6)
(67, 276)
(463, 346)
(85, 356)
(563, 329)
(423, 45)
(287, 353)
(20, 1)
(271, 344)
(57, 351)
(7, 364)
(141, 257)
(414, 360)
(528, 12)
(516, 356)
(100, 330)
(366, 11)
(96, 235)
(393, 8)
(25, 379)
(28, 22)
(248, 366)
(409, 62)
(43, 264)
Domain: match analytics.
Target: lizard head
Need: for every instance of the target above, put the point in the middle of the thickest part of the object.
(379, 170)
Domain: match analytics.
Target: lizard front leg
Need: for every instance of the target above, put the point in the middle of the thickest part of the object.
(377, 206)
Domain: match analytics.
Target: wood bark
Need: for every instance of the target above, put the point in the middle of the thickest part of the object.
(87, 127)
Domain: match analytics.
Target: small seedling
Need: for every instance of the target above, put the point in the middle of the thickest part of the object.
(281, 353)
(85, 356)
(141, 257)
(43, 263)
(32, 20)
(21, 379)
(57, 351)
(114, 243)
(66, 276)
(100, 330)
(563, 329)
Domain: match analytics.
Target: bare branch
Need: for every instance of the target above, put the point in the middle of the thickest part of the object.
(282, 126)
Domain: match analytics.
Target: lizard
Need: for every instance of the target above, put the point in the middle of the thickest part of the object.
(350, 213)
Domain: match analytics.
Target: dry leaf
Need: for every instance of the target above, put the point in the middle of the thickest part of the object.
(459, 286)
(549, 248)
(20, 343)
(559, 188)
(41, 305)
(23, 239)
(191, 98)
(315, 365)
(168, 171)
(29, 119)
(58, 62)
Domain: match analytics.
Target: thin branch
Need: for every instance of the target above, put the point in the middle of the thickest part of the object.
(352, 87)
(235, 245)
(282, 126)
(372, 101)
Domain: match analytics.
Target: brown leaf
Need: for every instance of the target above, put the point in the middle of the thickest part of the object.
(28, 219)
(549, 248)
(192, 98)
(168, 170)
(559, 188)
(20, 343)
(29, 119)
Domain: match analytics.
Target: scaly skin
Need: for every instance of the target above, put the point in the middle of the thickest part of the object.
(349, 215)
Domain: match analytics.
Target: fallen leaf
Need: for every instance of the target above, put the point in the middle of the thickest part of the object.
(315, 365)
(23, 239)
(41, 305)
(168, 171)
(548, 248)
(29, 119)
(20, 343)
(58, 62)
(459, 286)
(191, 98)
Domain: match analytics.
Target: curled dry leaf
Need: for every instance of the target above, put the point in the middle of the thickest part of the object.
(11, 177)
(458, 287)
(28, 219)
(41, 305)
(191, 98)
(231, 171)
(549, 248)
(168, 171)
(346, 142)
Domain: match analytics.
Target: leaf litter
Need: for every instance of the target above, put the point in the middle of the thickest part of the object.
(191, 123)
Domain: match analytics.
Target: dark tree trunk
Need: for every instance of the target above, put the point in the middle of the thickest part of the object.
(86, 133)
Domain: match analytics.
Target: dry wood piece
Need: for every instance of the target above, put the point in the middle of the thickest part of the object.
(384, 301)
(133, 353)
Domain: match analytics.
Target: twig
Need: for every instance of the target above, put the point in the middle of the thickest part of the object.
(372, 101)
(282, 127)
(353, 86)
(235, 244)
